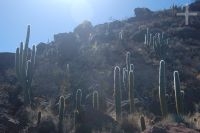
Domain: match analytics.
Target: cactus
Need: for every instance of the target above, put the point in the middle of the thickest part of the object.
(178, 99)
(182, 99)
(131, 90)
(61, 114)
(157, 43)
(121, 35)
(78, 99)
(17, 56)
(125, 79)
(162, 88)
(131, 67)
(142, 123)
(76, 119)
(147, 37)
(96, 100)
(117, 92)
(38, 118)
(25, 67)
(128, 61)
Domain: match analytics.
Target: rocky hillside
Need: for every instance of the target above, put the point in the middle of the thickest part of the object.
(85, 59)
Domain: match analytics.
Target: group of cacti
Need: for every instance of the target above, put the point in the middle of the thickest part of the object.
(179, 94)
(24, 65)
(128, 82)
(157, 43)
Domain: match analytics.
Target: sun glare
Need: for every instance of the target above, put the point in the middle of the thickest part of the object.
(80, 10)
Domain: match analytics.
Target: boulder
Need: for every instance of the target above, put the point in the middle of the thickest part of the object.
(143, 12)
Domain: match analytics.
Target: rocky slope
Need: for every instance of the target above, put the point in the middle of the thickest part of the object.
(91, 53)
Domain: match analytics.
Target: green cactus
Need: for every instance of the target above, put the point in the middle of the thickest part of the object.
(142, 123)
(78, 99)
(128, 54)
(76, 119)
(25, 67)
(146, 42)
(17, 56)
(125, 79)
(117, 92)
(96, 100)
(160, 45)
(61, 114)
(131, 90)
(131, 67)
(177, 89)
(162, 88)
(39, 118)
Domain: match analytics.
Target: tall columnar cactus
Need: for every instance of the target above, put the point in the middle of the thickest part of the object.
(96, 100)
(125, 78)
(182, 98)
(142, 123)
(160, 45)
(131, 67)
(162, 88)
(25, 66)
(61, 114)
(131, 90)
(157, 43)
(121, 35)
(39, 118)
(128, 54)
(177, 89)
(78, 99)
(117, 92)
(147, 37)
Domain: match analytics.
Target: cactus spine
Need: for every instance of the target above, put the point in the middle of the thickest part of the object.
(117, 92)
(142, 123)
(178, 99)
(131, 90)
(78, 99)
(162, 88)
(96, 100)
(24, 67)
(61, 114)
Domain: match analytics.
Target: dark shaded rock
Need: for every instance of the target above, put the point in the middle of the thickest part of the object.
(47, 127)
(8, 124)
(142, 12)
(89, 119)
(41, 47)
(195, 6)
(83, 31)
(60, 36)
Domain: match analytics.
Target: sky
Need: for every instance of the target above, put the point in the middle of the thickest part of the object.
(49, 17)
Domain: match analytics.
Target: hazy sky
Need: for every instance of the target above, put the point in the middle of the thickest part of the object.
(48, 17)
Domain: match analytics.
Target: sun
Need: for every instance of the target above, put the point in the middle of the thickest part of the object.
(80, 10)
